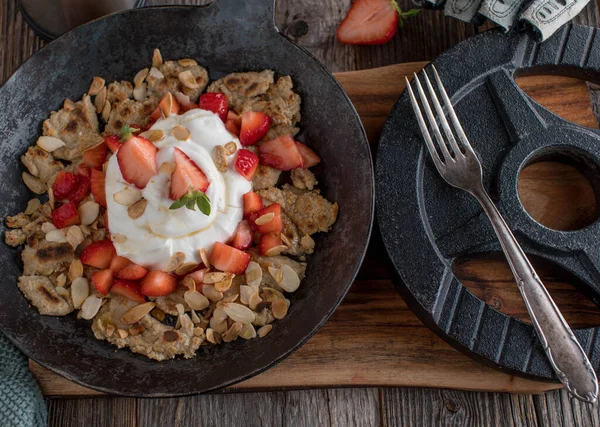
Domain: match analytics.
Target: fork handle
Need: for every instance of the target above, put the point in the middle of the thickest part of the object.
(562, 348)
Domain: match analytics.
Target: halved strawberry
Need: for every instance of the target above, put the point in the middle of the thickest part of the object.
(102, 281)
(81, 190)
(233, 123)
(280, 153)
(186, 176)
(246, 163)
(64, 183)
(158, 283)
(99, 254)
(96, 156)
(65, 215)
(128, 289)
(118, 263)
(229, 259)
(268, 241)
(132, 271)
(98, 186)
(243, 236)
(166, 107)
(309, 157)
(215, 102)
(255, 126)
(113, 142)
(369, 22)
(137, 161)
(83, 170)
(252, 203)
(273, 226)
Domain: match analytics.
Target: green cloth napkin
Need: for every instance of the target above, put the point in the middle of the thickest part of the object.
(21, 400)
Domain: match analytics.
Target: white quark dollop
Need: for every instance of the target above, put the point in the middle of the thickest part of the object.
(159, 233)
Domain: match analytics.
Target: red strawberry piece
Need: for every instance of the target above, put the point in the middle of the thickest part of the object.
(118, 263)
(184, 102)
(280, 153)
(113, 142)
(99, 254)
(246, 163)
(369, 22)
(215, 102)
(186, 176)
(166, 107)
(229, 259)
(83, 170)
(96, 156)
(98, 186)
(252, 203)
(309, 157)
(158, 283)
(255, 126)
(273, 226)
(65, 215)
(137, 161)
(243, 236)
(235, 118)
(132, 271)
(232, 127)
(102, 280)
(128, 289)
(268, 241)
(64, 183)
(81, 190)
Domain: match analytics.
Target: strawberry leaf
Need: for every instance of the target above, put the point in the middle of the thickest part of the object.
(191, 200)
(203, 204)
(127, 132)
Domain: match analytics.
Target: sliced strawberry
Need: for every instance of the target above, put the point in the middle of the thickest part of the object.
(252, 203)
(309, 157)
(137, 161)
(273, 226)
(113, 142)
(229, 259)
(64, 183)
(186, 176)
(232, 127)
(118, 263)
(280, 153)
(99, 254)
(83, 170)
(246, 163)
(128, 289)
(166, 107)
(235, 118)
(81, 190)
(65, 215)
(158, 283)
(132, 271)
(98, 186)
(268, 241)
(215, 102)
(255, 126)
(243, 236)
(96, 156)
(369, 22)
(102, 281)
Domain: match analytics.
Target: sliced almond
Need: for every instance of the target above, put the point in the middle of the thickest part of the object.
(74, 236)
(137, 313)
(275, 250)
(109, 329)
(214, 277)
(106, 111)
(33, 183)
(128, 196)
(279, 308)
(154, 135)
(49, 143)
(100, 100)
(230, 148)
(47, 227)
(307, 242)
(166, 106)
(56, 236)
(253, 274)
(181, 98)
(122, 333)
(290, 280)
(136, 330)
(96, 86)
(246, 292)
(270, 294)
(254, 300)
(195, 319)
(85, 229)
(276, 273)
(181, 133)
(211, 293)
(187, 62)
(185, 268)
(80, 290)
(118, 238)
(175, 261)
(139, 93)
(158, 314)
(196, 300)
(248, 331)
(204, 258)
(62, 291)
(239, 312)
(264, 330)
(213, 337)
(186, 322)
(88, 212)
(189, 283)
(61, 280)
(229, 298)
(137, 209)
(140, 77)
(220, 158)
(33, 206)
(285, 239)
(265, 219)
(75, 269)
(46, 209)
(233, 332)
(51, 200)
(188, 80)
(225, 284)
(157, 60)
(90, 307)
(219, 320)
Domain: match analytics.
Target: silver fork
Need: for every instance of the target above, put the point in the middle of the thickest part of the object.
(461, 168)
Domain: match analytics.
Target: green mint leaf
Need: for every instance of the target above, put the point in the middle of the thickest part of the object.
(412, 12)
(191, 205)
(203, 204)
(179, 203)
(127, 132)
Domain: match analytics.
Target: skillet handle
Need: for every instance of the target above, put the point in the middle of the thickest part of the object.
(254, 15)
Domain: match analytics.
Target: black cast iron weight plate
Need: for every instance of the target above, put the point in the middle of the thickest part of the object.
(227, 36)
(427, 224)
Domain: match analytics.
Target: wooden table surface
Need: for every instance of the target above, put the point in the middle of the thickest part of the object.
(312, 24)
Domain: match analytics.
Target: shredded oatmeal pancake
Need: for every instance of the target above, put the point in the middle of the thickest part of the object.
(161, 219)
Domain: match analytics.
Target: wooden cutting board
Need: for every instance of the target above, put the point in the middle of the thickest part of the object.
(373, 339)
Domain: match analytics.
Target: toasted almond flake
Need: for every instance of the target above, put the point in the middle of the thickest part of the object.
(75, 269)
(246, 292)
(85, 229)
(229, 298)
(33, 183)
(128, 196)
(74, 236)
(61, 280)
(100, 100)
(230, 148)
(279, 308)
(214, 277)
(33, 206)
(90, 306)
(47, 227)
(189, 283)
(136, 330)
(239, 312)
(96, 86)
(195, 319)
(166, 106)
(187, 62)
(122, 333)
(185, 321)
(233, 332)
(46, 209)
(264, 330)
(62, 291)
(109, 329)
(211, 293)
(248, 332)
(137, 209)
(118, 238)
(196, 300)
(185, 268)
(265, 219)
(56, 236)
(51, 200)
(275, 250)
(157, 60)
(204, 258)
(181, 98)
(210, 336)
(140, 77)
(225, 284)
(220, 327)
(80, 290)
(253, 274)
(270, 294)
(276, 273)
(254, 300)
(198, 331)
(181, 133)
(139, 93)
(49, 143)
(220, 158)
(158, 314)
(137, 313)
(174, 262)
(307, 242)
(285, 239)
(106, 111)
(290, 280)
(188, 80)
(88, 212)
(154, 135)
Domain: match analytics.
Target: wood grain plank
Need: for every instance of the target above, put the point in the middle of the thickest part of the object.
(105, 411)
(559, 409)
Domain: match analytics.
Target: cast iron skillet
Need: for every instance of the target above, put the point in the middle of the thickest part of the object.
(227, 36)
